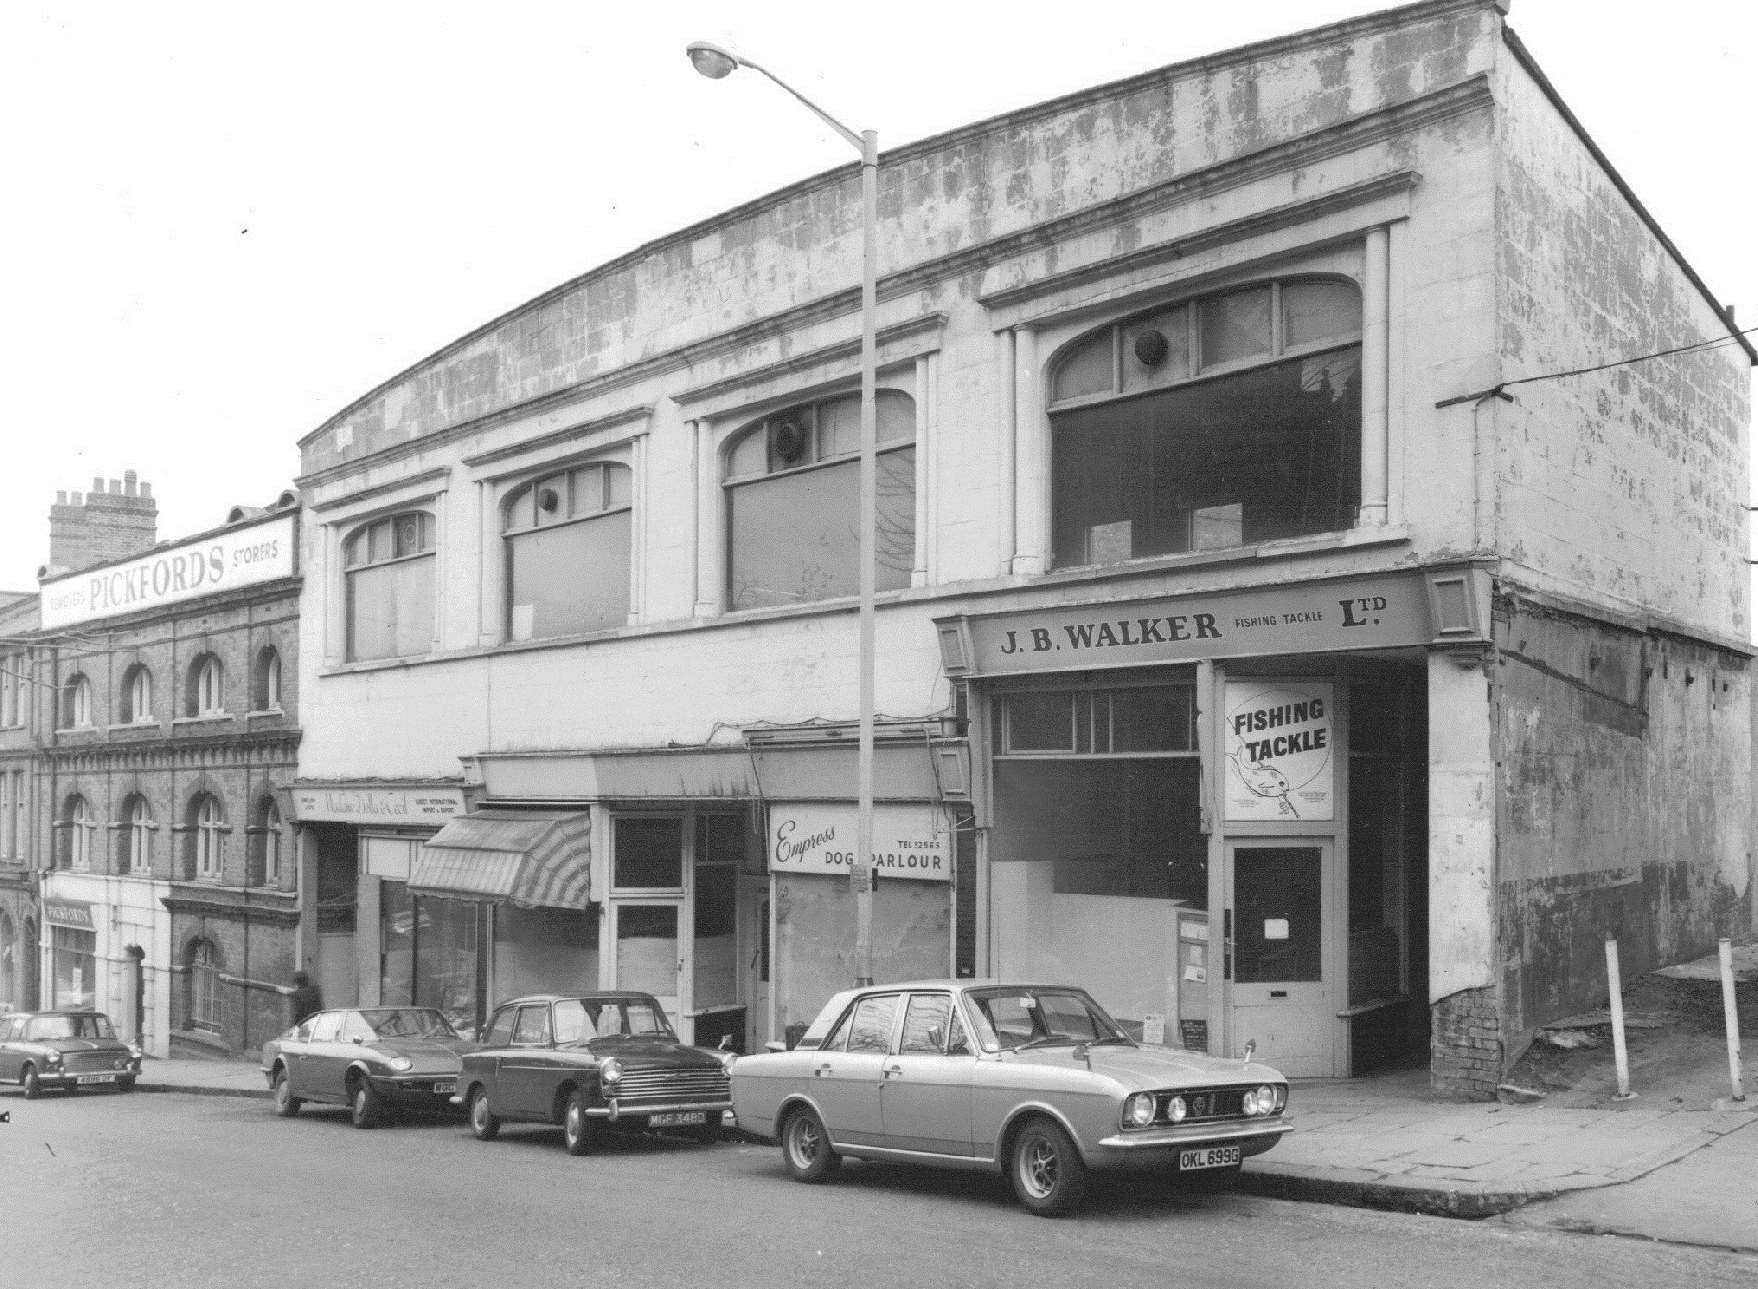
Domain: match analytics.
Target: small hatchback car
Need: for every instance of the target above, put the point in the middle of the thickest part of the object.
(65, 1049)
(1033, 1080)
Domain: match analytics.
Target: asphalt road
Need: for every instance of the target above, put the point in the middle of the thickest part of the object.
(209, 1192)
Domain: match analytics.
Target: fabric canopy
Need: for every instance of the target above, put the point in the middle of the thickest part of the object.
(530, 858)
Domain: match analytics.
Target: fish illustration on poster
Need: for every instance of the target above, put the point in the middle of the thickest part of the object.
(1280, 736)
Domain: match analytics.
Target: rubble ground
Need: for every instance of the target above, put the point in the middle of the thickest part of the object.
(1675, 1035)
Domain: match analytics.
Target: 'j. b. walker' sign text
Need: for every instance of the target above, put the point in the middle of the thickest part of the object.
(909, 841)
(1357, 613)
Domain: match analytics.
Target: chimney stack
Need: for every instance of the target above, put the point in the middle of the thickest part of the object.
(107, 524)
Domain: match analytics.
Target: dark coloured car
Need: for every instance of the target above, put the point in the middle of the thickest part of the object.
(67, 1050)
(591, 1063)
(374, 1060)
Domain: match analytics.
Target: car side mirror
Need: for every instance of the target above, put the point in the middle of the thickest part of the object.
(775, 1045)
(725, 1044)
(936, 1037)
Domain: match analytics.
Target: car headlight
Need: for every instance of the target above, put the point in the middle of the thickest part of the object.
(611, 1071)
(53, 1058)
(1260, 1101)
(134, 1050)
(400, 1063)
(1176, 1110)
(1138, 1111)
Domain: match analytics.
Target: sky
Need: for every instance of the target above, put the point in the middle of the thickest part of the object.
(226, 221)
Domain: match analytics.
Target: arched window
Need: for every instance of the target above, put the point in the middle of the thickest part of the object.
(266, 839)
(388, 571)
(76, 702)
(793, 502)
(204, 985)
(79, 824)
(1222, 421)
(567, 539)
(137, 696)
(207, 687)
(207, 834)
(265, 687)
(137, 836)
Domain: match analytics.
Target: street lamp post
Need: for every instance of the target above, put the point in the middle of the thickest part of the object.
(715, 62)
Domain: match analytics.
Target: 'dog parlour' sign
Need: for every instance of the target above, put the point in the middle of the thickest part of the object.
(909, 841)
(1280, 737)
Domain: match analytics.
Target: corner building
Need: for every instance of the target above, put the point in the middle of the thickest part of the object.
(1242, 655)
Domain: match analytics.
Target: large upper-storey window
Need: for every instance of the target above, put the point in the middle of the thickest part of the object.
(1216, 422)
(567, 538)
(793, 502)
(388, 565)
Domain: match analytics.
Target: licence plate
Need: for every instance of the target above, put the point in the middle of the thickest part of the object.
(96, 1078)
(1208, 1157)
(677, 1118)
(446, 1085)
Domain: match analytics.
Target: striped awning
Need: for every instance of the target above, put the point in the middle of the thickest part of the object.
(531, 858)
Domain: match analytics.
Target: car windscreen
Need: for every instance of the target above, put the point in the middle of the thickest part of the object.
(409, 1022)
(1021, 1018)
(71, 1027)
(614, 1018)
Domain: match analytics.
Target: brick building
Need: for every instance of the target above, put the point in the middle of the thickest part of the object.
(1266, 640)
(165, 717)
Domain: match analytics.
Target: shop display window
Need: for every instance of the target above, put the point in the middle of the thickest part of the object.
(544, 950)
(73, 967)
(1227, 421)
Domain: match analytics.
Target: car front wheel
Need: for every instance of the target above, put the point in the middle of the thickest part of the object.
(364, 1105)
(484, 1123)
(1048, 1175)
(286, 1104)
(577, 1128)
(805, 1148)
(33, 1086)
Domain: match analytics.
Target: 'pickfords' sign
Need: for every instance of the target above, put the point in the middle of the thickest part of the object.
(70, 913)
(1356, 613)
(819, 838)
(228, 560)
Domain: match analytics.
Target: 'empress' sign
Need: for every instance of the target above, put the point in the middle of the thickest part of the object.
(909, 841)
(225, 561)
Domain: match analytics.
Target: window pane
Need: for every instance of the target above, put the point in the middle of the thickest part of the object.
(839, 427)
(1277, 928)
(1040, 722)
(924, 1023)
(397, 953)
(749, 454)
(390, 610)
(716, 947)
(896, 417)
(1272, 452)
(570, 579)
(445, 958)
(650, 853)
(795, 538)
(618, 481)
(1317, 311)
(1151, 720)
(1086, 370)
(1236, 326)
(647, 948)
(870, 1031)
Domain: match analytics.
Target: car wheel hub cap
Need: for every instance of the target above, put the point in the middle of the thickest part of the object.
(1039, 1168)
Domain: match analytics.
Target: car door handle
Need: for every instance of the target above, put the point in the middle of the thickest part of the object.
(891, 1072)
(820, 1071)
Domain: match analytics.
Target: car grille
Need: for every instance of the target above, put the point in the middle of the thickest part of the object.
(1202, 1103)
(668, 1086)
(90, 1062)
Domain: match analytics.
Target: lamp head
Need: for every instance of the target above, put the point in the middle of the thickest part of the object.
(711, 60)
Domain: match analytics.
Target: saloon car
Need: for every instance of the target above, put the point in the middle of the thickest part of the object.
(65, 1049)
(591, 1063)
(374, 1060)
(1035, 1081)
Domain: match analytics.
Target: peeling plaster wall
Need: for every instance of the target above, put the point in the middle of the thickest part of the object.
(1623, 806)
(1625, 486)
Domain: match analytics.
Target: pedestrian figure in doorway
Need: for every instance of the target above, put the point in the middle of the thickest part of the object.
(306, 998)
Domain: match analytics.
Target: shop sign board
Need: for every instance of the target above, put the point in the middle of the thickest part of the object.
(413, 806)
(225, 561)
(909, 841)
(1280, 740)
(1357, 613)
(69, 913)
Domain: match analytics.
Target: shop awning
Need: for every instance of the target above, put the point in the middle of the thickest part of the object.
(531, 858)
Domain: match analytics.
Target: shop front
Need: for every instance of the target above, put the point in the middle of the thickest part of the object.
(1211, 810)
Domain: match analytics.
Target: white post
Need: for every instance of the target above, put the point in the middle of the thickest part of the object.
(1732, 1014)
(1617, 1014)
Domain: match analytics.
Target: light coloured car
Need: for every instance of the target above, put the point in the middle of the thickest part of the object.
(1033, 1080)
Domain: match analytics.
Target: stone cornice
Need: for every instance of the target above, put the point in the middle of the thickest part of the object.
(256, 747)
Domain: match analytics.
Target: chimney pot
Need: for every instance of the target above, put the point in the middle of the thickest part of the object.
(97, 486)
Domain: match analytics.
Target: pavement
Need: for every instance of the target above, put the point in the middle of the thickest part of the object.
(1387, 1142)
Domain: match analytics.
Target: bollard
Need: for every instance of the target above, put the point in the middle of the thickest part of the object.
(1731, 1012)
(1617, 1014)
